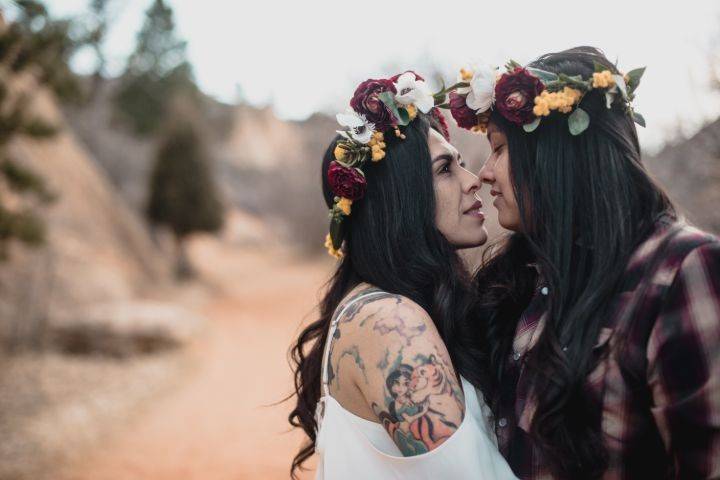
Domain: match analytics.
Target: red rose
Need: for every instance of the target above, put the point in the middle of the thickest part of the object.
(515, 94)
(464, 116)
(438, 115)
(366, 101)
(346, 182)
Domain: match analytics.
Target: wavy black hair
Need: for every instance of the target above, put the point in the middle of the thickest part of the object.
(391, 242)
(585, 202)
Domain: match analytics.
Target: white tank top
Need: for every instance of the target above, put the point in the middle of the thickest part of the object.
(350, 447)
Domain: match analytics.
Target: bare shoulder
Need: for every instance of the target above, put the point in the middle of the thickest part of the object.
(402, 369)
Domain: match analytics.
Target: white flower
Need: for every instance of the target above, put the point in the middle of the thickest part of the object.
(360, 129)
(411, 91)
(481, 92)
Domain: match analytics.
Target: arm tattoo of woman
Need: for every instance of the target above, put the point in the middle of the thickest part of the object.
(422, 407)
(424, 404)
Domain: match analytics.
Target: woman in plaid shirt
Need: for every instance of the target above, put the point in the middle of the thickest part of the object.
(601, 311)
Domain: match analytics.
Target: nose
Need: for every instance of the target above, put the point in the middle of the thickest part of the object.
(486, 173)
(470, 182)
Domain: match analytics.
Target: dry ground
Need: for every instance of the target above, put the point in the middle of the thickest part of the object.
(219, 423)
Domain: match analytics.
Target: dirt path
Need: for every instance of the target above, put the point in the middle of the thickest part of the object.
(215, 427)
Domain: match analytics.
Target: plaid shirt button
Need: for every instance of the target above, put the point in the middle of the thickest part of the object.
(502, 423)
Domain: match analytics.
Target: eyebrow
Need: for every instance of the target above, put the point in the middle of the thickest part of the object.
(444, 156)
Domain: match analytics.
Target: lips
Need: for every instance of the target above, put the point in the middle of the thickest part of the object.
(475, 206)
(495, 193)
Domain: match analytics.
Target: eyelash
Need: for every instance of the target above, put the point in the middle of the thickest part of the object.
(496, 150)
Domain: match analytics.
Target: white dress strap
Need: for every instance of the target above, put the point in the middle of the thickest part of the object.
(331, 332)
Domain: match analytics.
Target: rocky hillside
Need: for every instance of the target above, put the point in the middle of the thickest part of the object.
(97, 250)
(690, 171)
(268, 168)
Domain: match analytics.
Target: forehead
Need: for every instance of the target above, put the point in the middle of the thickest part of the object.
(438, 145)
(494, 133)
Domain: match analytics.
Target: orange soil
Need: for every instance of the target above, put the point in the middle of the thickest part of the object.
(215, 426)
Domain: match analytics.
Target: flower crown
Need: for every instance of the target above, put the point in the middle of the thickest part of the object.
(524, 95)
(378, 107)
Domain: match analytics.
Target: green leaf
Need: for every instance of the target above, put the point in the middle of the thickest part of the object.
(599, 67)
(639, 119)
(578, 121)
(439, 99)
(543, 75)
(389, 101)
(634, 77)
(512, 65)
(404, 116)
(336, 232)
(530, 127)
(575, 81)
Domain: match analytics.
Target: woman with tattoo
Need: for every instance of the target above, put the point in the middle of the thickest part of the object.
(377, 391)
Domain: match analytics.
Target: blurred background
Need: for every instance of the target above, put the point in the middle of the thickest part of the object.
(161, 222)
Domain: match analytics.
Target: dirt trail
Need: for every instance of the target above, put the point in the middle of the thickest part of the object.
(215, 427)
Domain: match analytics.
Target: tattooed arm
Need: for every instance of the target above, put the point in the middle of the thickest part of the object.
(391, 353)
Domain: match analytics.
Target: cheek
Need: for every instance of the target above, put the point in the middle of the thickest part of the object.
(446, 206)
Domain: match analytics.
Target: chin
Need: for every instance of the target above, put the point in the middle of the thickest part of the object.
(475, 241)
(508, 224)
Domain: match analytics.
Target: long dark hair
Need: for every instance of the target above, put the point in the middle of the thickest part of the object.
(585, 203)
(392, 243)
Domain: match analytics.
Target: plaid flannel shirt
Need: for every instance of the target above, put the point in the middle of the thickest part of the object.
(668, 427)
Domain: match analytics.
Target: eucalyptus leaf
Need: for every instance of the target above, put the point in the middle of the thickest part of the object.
(404, 116)
(530, 127)
(639, 119)
(634, 77)
(578, 121)
(543, 75)
(389, 101)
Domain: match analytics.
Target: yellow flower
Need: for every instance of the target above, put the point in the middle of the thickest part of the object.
(541, 110)
(603, 79)
(571, 92)
(332, 251)
(377, 139)
(344, 204)
(541, 107)
(339, 153)
(412, 111)
(466, 75)
(377, 153)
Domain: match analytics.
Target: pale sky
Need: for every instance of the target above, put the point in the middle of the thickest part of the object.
(307, 56)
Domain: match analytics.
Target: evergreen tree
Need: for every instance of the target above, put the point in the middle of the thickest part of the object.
(156, 72)
(95, 37)
(183, 193)
(35, 40)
